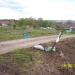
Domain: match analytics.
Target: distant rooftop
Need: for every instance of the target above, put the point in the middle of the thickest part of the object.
(7, 21)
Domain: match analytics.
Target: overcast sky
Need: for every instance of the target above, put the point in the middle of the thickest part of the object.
(47, 9)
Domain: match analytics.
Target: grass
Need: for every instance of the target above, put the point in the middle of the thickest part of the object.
(11, 34)
(25, 59)
(20, 56)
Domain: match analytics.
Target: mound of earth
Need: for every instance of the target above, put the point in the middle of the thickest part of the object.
(36, 62)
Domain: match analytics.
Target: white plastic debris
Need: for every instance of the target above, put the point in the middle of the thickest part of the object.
(39, 47)
(54, 49)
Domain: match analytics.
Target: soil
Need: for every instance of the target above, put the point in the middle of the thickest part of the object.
(45, 63)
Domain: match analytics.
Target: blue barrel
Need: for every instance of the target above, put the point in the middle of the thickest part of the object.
(26, 35)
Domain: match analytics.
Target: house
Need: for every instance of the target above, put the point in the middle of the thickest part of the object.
(7, 22)
(70, 27)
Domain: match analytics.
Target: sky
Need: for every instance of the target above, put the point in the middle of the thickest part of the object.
(46, 9)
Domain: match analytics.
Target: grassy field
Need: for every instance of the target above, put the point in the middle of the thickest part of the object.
(11, 34)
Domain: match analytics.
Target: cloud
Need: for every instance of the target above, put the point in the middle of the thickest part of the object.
(47, 9)
(7, 13)
(11, 5)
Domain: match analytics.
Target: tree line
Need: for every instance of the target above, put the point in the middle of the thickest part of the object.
(37, 23)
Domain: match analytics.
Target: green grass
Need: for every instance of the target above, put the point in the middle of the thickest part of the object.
(11, 34)
(23, 60)
(20, 57)
(39, 32)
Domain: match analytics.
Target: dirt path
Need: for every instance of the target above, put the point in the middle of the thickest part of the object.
(8, 46)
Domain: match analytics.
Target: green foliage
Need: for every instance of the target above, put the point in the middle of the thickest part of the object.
(14, 26)
(20, 22)
(23, 57)
(36, 23)
(19, 57)
(27, 22)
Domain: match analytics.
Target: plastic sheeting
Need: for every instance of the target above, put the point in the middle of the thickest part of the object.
(39, 47)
